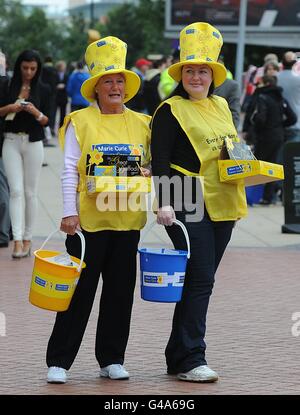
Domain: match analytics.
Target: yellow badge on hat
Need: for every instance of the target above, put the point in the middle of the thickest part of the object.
(108, 56)
(200, 43)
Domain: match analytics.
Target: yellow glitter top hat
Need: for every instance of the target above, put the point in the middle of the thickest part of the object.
(108, 56)
(200, 43)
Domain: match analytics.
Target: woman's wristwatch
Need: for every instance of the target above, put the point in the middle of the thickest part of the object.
(40, 117)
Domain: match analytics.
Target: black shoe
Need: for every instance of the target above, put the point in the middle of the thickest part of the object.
(264, 202)
(46, 144)
(4, 244)
(44, 164)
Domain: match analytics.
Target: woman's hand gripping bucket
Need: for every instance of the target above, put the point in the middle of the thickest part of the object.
(163, 270)
(53, 283)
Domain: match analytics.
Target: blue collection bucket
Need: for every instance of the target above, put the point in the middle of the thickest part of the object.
(254, 194)
(163, 270)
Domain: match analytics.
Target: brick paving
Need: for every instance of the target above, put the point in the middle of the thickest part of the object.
(249, 338)
(249, 335)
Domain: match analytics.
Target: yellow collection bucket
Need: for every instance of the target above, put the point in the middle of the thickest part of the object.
(52, 284)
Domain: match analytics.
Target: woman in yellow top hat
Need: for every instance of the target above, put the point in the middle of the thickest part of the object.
(104, 139)
(188, 131)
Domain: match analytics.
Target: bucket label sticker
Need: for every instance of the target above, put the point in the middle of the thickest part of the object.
(40, 281)
(53, 286)
(162, 279)
(152, 279)
(61, 287)
(234, 170)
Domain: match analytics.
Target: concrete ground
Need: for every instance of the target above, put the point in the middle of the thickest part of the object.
(252, 330)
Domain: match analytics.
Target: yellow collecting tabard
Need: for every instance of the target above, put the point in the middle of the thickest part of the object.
(252, 171)
(134, 184)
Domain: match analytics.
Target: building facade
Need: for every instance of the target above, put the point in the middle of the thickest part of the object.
(93, 9)
(269, 22)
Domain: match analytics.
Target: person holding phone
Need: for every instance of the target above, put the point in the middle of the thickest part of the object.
(24, 106)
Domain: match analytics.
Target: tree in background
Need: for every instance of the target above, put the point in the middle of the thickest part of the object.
(75, 39)
(141, 26)
(20, 30)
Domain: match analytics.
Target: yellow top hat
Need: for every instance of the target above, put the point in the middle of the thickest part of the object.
(200, 43)
(108, 56)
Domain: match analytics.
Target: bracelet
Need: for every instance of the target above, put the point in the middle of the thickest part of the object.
(39, 118)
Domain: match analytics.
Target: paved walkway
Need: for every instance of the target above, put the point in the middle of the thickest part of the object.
(251, 341)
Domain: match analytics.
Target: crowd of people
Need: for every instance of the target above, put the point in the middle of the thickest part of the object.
(170, 117)
(271, 103)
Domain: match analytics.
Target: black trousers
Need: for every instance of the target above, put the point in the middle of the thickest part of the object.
(62, 112)
(113, 254)
(268, 150)
(186, 347)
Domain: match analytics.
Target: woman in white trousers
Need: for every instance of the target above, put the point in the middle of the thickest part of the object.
(25, 107)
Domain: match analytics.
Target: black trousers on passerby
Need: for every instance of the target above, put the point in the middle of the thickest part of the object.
(113, 254)
(268, 150)
(62, 112)
(186, 347)
(4, 207)
(52, 113)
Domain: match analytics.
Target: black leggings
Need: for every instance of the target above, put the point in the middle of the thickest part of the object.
(208, 239)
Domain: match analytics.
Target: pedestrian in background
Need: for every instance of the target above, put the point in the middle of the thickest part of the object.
(49, 77)
(61, 90)
(230, 90)
(271, 69)
(75, 81)
(4, 189)
(138, 103)
(151, 82)
(188, 132)
(166, 83)
(24, 104)
(290, 84)
(270, 115)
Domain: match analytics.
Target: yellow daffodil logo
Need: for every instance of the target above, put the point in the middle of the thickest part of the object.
(136, 150)
(96, 157)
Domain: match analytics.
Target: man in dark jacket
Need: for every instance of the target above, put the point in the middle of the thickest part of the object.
(137, 103)
(269, 113)
(49, 77)
(151, 81)
(230, 90)
(61, 90)
(75, 81)
(4, 189)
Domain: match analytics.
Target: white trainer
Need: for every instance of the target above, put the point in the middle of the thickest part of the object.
(199, 374)
(56, 375)
(114, 371)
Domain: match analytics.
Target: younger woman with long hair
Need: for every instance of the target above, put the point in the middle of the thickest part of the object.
(24, 107)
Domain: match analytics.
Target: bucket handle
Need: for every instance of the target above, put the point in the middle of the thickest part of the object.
(176, 222)
(82, 245)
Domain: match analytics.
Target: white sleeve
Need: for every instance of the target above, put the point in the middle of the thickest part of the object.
(70, 176)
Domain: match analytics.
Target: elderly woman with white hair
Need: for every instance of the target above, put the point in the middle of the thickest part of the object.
(104, 139)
